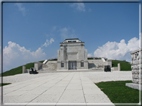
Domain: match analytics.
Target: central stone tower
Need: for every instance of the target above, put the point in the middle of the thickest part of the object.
(72, 55)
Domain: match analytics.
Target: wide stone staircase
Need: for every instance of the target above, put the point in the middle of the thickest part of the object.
(50, 66)
(96, 65)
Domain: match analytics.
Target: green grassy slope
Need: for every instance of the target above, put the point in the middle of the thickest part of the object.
(125, 66)
(17, 70)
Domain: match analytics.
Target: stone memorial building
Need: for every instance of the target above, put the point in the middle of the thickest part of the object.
(72, 55)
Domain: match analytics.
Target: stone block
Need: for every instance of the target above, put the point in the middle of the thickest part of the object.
(135, 76)
(135, 71)
(134, 86)
(135, 81)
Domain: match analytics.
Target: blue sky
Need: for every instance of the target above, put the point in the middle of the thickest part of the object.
(33, 31)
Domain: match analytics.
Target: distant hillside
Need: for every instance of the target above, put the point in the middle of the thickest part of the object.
(125, 66)
(17, 70)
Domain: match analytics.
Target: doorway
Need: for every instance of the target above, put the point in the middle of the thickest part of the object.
(72, 65)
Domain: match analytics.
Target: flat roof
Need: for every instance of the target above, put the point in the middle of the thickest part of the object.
(72, 39)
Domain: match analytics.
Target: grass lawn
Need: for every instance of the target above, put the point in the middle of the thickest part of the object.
(118, 92)
(3, 84)
(124, 65)
(17, 70)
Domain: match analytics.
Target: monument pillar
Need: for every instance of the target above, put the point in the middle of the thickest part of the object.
(118, 65)
(23, 69)
(136, 66)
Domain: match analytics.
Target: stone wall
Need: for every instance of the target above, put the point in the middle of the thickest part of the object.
(114, 69)
(50, 65)
(98, 63)
(109, 62)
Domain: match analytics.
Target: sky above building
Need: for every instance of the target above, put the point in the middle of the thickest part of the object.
(33, 31)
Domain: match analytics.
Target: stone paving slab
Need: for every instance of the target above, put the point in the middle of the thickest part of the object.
(72, 96)
(56, 89)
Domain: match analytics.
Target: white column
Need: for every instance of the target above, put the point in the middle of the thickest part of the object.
(23, 69)
(118, 67)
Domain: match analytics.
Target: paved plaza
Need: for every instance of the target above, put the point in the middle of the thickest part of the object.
(62, 88)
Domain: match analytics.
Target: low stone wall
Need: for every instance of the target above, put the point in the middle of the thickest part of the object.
(37, 66)
(114, 68)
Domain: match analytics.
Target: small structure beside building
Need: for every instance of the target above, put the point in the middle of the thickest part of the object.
(136, 66)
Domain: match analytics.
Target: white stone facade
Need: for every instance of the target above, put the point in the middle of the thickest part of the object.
(72, 55)
(136, 66)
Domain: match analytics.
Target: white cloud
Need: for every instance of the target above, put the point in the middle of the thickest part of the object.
(79, 6)
(48, 42)
(67, 33)
(89, 55)
(21, 8)
(118, 50)
(15, 55)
